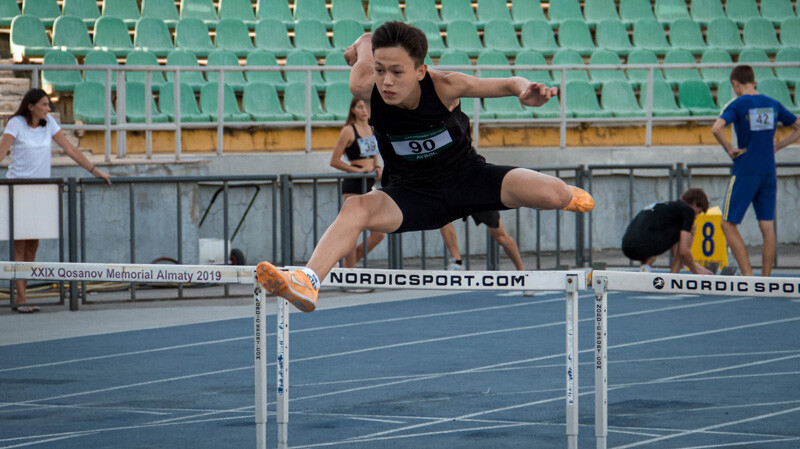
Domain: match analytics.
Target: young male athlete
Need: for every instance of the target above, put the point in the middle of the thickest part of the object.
(434, 174)
(753, 177)
(666, 226)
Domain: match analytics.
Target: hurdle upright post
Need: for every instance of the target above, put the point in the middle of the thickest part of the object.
(282, 368)
(260, 297)
(600, 284)
(572, 360)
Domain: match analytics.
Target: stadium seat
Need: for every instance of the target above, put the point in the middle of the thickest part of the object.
(463, 35)
(725, 95)
(85, 10)
(60, 80)
(460, 10)
(100, 57)
(704, 11)
(740, 11)
(435, 42)
(715, 76)
(226, 58)
(468, 108)
(722, 33)
(695, 96)
(759, 33)
(276, 10)
(575, 35)
(346, 31)
(569, 57)
(539, 35)
(337, 100)
(493, 57)
(597, 11)
(677, 76)
(791, 75)
(500, 35)
(639, 77)
(750, 55)
(632, 11)
(348, 10)
(152, 35)
(663, 100)
(777, 10)
(790, 32)
(126, 10)
(294, 100)
(605, 57)
(310, 35)
(192, 35)
(506, 108)
(685, 34)
(209, 103)
(271, 35)
(455, 57)
(612, 35)
(8, 10)
(380, 11)
(581, 100)
(70, 33)
(649, 35)
(164, 10)
(335, 58)
(111, 34)
(199, 9)
(182, 58)
(668, 11)
(135, 95)
(563, 10)
(490, 10)
(777, 90)
(261, 101)
(239, 10)
(89, 103)
(264, 58)
(144, 58)
(299, 58)
(234, 35)
(619, 99)
(189, 110)
(46, 10)
(534, 58)
(417, 10)
(524, 10)
(311, 9)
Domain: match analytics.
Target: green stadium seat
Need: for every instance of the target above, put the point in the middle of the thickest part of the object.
(524, 10)
(418, 10)
(722, 33)
(60, 80)
(468, 108)
(261, 101)
(685, 34)
(715, 76)
(380, 11)
(539, 35)
(348, 10)
(756, 55)
(791, 75)
(226, 58)
(85, 10)
(100, 57)
(704, 11)
(144, 58)
(335, 58)
(664, 104)
(234, 35)
(725, 95)
(597, 11)
(777, 10)
(493, 57)
(677, 76)
(612, 35)
(575, 35)
(89, 103)
(453, 10)
(668, 11)
(549, 110)
(126, 10)
(649, 35)
(199, 9)
(759, 33)
(695, 96)
(310, 35)
(8, 10)
(239, 10)
(569, 57)
(563, 10)
(311, 9)
(152, 35)
(275, 9)
(638, 77)
(209, 103)
(264, 58)
(111, 34)
(337, 100)
(189, 110)
(435, 42)
(135, 97)
(346, 31)
(298, 58)
(463, 35)
(456, 57)
(182, 58)
(46, 10)
(619, 99)
(490, 10)
(294, 100)
(164, 10)
(632, 11)
(191, 34)
(271, 35)
(70, 33)
(740, 11)
(581, 100)
(500, 35)
(534, 58)
(506, 108)
(777, 90)
(790, 32)
(605, 57)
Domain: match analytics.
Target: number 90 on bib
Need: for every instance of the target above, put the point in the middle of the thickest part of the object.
(420, 146)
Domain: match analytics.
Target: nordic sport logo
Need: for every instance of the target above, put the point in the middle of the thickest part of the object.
(658, 283)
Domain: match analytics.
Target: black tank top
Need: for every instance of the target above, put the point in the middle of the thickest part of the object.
(425, 145)
(362, 147)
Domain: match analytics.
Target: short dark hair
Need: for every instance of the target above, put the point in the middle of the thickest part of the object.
(399, 34)
(31, 97)
(696, 197)
(743, 74)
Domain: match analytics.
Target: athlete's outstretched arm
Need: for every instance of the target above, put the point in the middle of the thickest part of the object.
(454, 85)
(362, 75)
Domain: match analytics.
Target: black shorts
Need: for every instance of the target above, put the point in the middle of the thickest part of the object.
(491, 218)
(431, 206)
(357, 185)
(641, 246)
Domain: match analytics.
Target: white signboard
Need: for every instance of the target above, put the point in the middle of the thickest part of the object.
(35, 212)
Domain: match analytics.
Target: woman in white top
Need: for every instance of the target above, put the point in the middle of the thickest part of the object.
(28, 136)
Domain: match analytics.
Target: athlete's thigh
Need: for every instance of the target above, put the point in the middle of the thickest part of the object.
(741, 191)
(765, 199)
(527, 188)
(383, 214)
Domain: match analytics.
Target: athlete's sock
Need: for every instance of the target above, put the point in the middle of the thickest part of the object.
(311, 277)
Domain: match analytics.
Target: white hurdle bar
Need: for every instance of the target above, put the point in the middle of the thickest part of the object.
(622, 281)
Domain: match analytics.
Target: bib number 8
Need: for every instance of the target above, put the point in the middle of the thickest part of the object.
(420, 146)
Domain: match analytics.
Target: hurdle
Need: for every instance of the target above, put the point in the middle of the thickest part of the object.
(604, 282)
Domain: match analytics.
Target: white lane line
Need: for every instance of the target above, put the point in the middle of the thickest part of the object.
(744, 443)
(727, 368)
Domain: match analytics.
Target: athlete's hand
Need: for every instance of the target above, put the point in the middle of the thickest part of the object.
(351, 53)
(379, 172)
(703, 270)
(537, 94)
(734, 153)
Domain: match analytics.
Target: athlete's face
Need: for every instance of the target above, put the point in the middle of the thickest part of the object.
(360, 111)
(40, 109)
(397, 77)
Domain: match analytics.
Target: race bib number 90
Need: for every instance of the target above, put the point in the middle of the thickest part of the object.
(762, 119)
(417, 147)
